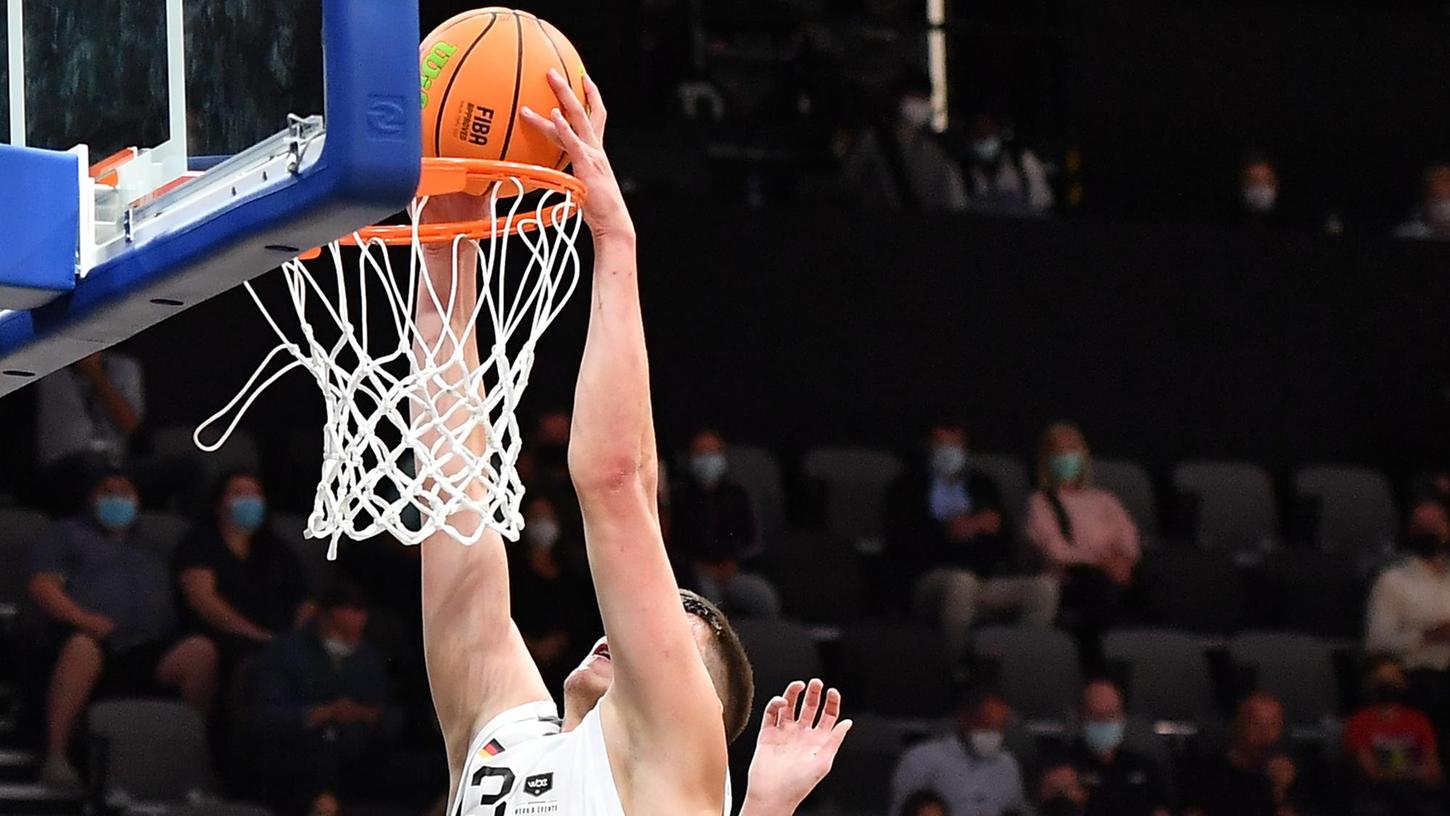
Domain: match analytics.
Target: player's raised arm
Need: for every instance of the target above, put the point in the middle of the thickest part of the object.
(478, 666)
(662, 700)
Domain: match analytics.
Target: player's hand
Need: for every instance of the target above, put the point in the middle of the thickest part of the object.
(99, 627)
(580, 133)
(794, 752)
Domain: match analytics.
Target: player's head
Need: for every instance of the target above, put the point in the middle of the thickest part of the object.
(725, 660)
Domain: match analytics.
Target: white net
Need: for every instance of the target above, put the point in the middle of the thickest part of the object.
(399, 424)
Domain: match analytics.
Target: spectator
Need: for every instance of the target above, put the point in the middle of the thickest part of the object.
(553, 600)
(1118, 780)
(240, 583)
(1060, 791)
(1393, 748)
(923, 803)
(320, 693)
(1258, 200)
(113, 616)
(1408, 615)
(969, 770)
(901, 166)
(1432, 221)
(712, 530)
(1085, 536)
(88, 417)
(946, 530)
(1003, 180)
(1255, 776)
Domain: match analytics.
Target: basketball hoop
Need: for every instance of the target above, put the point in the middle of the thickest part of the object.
(358, 331)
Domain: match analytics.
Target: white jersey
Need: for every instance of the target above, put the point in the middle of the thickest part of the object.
(521, 764)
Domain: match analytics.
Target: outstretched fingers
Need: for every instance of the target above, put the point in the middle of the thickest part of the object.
(594, 101)
(831, 712)
(792, 696)
(812, 704)
(773, 709)
(572, 109)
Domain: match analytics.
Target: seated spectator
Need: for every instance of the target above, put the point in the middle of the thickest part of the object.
(552, 598)
(712, 530)
(1393, 748)
(319, 696)
(923, 803)
(113, 616)
(1408, 615)
(240, 583)
(1118, 780)
(1083, 534)
(1060, 791)
(901, 165)
(968, 769)
(1255, 776)
(1002, 179)
(1432, 221)
(88, 417)
(947, 532)
(1258, 200)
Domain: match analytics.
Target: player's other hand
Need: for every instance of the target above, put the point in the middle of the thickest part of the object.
(580, 133)
(794, 751)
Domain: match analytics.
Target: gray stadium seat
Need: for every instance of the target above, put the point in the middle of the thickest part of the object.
(1011, 477)
(860, 778)
(19, 529)
(1168, 673)
(1356, 509)
(150, 750)
(1297, 669)
(1234, 505)
(221, 809)
(239, 453)
(896, 670)
(1197, 590)
(1038, 670)
(1128, 481)
(856, 482)
(161, 532)
(757, 470)
(780, 651)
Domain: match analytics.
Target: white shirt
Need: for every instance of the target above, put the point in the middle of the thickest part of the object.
(70, 418)
(1408, 599)
(521, 764)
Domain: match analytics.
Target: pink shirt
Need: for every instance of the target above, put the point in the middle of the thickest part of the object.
(1100, 527)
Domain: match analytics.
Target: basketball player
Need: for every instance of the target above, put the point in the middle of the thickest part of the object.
(649, 712)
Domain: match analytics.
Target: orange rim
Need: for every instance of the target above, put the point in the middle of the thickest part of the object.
(475, 177)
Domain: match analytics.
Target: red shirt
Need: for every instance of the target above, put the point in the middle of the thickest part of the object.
(1400, 737)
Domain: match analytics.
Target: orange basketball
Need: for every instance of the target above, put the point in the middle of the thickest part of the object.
(478, 70)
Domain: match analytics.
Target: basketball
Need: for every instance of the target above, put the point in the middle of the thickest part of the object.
(478, 70)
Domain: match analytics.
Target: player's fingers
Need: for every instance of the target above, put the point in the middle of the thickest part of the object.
(812, 703)
(573, 109)
(542, 125)
(792, 695)
(570, 141)
(595, 102)
(771, 717)
(838, 735)
(832, 711)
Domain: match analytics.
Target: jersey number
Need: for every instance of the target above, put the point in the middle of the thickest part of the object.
(506, 784)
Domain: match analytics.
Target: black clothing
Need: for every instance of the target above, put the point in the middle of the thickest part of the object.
(1132, 785)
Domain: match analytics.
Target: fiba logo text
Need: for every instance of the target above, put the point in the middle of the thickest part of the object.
(385, 115)
(476, 124)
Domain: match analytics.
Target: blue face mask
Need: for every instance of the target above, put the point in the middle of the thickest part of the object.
(1103, 737)
(116, 513)
(709, 468)
(247, 512)
(1066, 467)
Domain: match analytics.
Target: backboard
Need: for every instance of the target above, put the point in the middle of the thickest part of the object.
(159, 152)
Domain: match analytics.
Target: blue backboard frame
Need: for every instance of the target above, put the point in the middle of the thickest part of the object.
(367, 169)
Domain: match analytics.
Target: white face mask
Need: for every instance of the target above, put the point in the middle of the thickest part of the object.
(1260, 198)
(709, 468)
(916, 111)
(542, 533)
(985, 744)
(337, 649)
(988, 149)
(947, 460)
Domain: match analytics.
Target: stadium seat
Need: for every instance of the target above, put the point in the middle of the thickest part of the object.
(152, 751)
(222, 809)
(1318, 593)
(856, 481)
(757, 470)
(860, 778)
(1037, 670)
(1128, 481)
(19, 529)
(1191, 589)
(804, 564)
(896, 670)
(1011, 477)
(239, 453)
(1297, 669)
(1168, 673)
(1233, 505)
(780, 651)
(1354, 509)
(161, 532)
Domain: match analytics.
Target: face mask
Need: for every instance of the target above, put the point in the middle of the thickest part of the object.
(542, 534)
(116, 513)
(985, 744)
(1260, 198)
(1066, 467)
(1385, 694)
(988, 149)
(1103, 737)
(709, 468)
(1439, 211)
(916, 111)
(947, 460)
(337, 649)
(247, 512)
